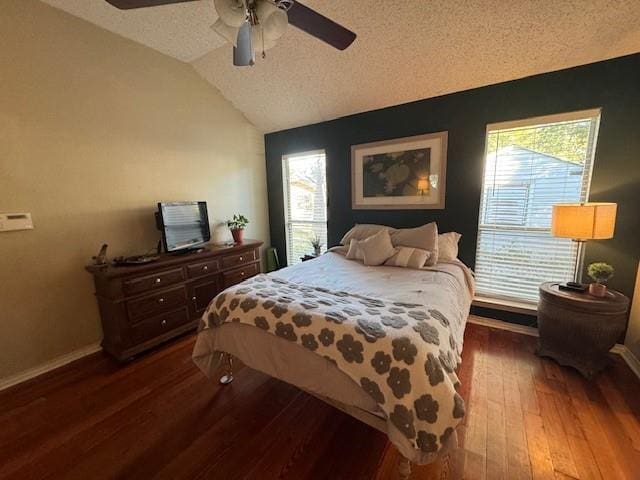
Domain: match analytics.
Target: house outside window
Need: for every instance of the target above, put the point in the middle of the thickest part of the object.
(305, 201)
(531, 165)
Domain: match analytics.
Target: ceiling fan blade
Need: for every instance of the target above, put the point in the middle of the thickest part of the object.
(320, 26)
(129, 4)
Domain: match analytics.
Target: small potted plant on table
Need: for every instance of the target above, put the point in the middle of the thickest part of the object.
(317, 246)
(600, 272)
(237, 225)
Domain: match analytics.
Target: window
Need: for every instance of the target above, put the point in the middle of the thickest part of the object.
(305, 202)
(531, 165)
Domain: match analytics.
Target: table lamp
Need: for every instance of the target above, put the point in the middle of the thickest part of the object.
(423, 185)
(581, 222)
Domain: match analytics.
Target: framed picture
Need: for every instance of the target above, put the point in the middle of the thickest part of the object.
(400, 174)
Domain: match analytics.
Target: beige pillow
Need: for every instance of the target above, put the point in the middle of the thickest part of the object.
(448, 245)
(355, 252)
(408, 257)
(373, 250)
(424, 238)
(362, 231)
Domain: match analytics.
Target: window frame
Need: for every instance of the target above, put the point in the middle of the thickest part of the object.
(526, 304)
(286, 193)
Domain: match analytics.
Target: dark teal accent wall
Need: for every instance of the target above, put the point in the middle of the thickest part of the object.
(613, 85)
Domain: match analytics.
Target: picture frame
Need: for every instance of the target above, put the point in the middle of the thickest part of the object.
(399, 174)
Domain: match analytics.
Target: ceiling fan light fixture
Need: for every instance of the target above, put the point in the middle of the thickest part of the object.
(231, 12)
(273, 20)
(243, 55)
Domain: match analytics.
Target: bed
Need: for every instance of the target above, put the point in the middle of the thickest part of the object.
(394, 324)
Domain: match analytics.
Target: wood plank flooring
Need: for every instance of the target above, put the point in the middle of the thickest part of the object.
(159, 417)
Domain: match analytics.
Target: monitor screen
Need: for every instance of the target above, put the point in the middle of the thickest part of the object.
(184, 224)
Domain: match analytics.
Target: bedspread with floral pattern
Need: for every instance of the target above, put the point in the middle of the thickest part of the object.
(402, 354)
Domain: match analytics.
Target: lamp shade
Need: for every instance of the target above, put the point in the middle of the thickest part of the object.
(584, 221)
(423, 184)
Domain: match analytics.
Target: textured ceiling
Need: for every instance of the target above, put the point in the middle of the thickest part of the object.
(405, 50)
(180, 31)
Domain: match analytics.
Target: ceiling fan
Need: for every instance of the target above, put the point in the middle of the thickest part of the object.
(255, 25)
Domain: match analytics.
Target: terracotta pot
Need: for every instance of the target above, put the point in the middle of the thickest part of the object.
(238, 234)
(597, 290)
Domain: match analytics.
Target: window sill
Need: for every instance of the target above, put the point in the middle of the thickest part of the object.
(506, 305)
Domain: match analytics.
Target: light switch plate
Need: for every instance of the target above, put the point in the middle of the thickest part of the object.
(15, 221)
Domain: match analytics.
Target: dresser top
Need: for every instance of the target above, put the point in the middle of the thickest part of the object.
(167, 260)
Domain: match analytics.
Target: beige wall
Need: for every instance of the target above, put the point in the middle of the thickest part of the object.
(632, 341)
(94, 130)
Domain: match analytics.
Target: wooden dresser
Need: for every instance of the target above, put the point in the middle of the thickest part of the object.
(143, 306)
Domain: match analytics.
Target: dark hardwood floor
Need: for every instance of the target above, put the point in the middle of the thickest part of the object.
(158, 417)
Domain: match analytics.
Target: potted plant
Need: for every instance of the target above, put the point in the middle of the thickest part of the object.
(237, 225)
(600, 272)
(317, 246)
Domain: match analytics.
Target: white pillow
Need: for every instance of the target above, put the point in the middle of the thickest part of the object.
(448, 245)
(408, 257)
(373, 250)
(362, 231)
(424, 238)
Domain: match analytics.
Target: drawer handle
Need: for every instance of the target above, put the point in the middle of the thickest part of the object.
(242, 273)
(163, 323)
(239, 259)
(205, 268)
(161, 300)
(158, 280)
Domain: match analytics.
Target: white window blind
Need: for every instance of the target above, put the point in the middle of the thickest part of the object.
(531, 165)
(305, 199)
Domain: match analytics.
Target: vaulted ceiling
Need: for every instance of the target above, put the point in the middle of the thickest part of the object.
(406, 50)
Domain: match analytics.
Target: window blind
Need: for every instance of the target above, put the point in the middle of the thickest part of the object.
(531, 165)
(305, 198)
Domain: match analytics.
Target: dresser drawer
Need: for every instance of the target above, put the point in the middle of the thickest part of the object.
(151, 282)
(239, 259)
(201, 269)
(155, 326)
(157, 303)
(239, 274)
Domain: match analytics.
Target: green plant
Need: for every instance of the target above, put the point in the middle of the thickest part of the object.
(238, 222)
(600, 272)
(316, 243)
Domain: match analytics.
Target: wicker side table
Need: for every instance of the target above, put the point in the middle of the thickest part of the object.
(577, 329)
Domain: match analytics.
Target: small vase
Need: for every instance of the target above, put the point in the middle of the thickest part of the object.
(318, 251)
(238, 235)
(597, 290)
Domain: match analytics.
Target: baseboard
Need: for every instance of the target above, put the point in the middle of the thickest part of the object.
(500, 325)
(48, 366)
(619, 349)
(631, 359)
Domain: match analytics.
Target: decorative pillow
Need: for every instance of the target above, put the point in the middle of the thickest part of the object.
(362, 231)
(424, 238)
(377, 248)
(355, 252)
(374, 250)
(448, 245)
(408, 257)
